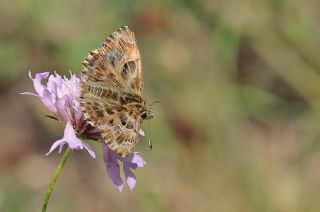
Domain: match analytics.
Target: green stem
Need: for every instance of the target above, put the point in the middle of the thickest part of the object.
(54, 179)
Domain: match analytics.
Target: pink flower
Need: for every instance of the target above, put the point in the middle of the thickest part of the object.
(132, 161)
(62, 97)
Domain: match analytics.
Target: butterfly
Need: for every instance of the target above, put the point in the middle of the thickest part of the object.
(111, 91)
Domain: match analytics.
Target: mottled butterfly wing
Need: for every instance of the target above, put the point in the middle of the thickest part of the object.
(111, 87)
(117, 63)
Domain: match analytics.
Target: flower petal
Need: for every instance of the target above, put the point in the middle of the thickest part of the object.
(71, 138)
(60, 143)
(37, 81)
(73, 142)
(46, 99)
(114, 174)
(112, 165)
(89, 148)
(130, 177)
(134, 160)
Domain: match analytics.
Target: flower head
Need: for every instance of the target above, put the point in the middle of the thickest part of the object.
(62, 97)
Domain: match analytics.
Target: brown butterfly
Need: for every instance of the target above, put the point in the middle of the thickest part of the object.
(111, 91)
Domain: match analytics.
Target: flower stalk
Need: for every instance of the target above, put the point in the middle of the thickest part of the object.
(55, 176)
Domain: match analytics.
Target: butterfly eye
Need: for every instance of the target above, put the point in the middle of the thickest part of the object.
(144, 115)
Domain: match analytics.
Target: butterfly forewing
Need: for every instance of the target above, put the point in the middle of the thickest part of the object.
(111, 87)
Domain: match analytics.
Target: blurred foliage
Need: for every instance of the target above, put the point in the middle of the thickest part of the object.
(237, 128)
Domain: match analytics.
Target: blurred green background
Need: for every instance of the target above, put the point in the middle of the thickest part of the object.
(238, 125)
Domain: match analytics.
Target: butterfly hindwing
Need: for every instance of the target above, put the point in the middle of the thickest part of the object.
(112, 113)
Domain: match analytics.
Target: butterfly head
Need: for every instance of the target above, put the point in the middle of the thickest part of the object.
(146, 114)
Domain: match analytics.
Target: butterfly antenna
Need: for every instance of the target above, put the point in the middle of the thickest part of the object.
(149, 132)
(157, 101)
